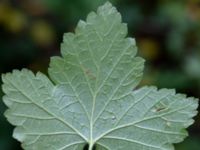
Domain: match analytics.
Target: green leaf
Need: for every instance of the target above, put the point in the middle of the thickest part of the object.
(90, 98)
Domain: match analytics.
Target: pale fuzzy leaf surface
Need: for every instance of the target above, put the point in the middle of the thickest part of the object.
(90, 98)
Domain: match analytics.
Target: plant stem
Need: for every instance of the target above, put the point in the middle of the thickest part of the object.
(90, 146)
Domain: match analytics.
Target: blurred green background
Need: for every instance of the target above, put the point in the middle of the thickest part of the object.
(167, 34)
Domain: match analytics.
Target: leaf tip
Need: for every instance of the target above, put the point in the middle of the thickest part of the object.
(80, 26)
(6, 101)
(106, 9)
(91, 16)
(4, 76)
(19, 134)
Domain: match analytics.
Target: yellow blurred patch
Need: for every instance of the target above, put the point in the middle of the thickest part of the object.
(194, 9)
(149, 48)
(13, 20)
(42, 33)
(16, 21)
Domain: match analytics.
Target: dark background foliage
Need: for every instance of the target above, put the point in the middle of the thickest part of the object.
(167, 34)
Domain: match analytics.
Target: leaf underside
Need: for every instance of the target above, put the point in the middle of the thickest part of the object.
(90, 97)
